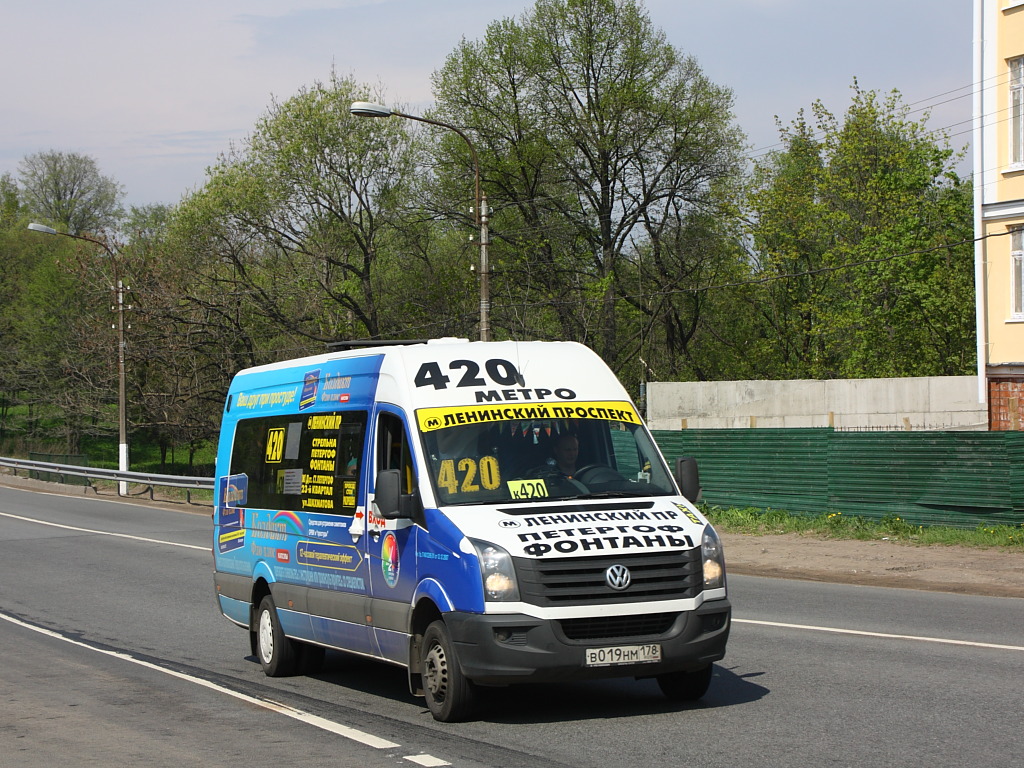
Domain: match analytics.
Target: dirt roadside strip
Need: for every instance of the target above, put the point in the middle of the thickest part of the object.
(964, 570)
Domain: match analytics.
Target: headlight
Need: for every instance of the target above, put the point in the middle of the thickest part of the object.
(497, 573)
(713, 559)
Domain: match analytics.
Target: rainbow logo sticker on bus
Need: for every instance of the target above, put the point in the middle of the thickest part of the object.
(291, 521)
(389, 559)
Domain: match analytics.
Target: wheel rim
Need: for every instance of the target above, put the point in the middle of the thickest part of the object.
(435, 672)
(266, 635)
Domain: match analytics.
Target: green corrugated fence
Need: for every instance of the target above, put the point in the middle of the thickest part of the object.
(962, 479)
(75, 459)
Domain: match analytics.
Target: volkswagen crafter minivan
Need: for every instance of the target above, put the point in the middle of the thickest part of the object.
(480, 513)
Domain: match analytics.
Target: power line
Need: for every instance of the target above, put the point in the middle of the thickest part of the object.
(994, 81)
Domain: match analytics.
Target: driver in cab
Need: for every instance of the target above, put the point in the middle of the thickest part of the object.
(565, 453)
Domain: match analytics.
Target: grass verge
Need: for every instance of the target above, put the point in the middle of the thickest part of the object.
(836, 525)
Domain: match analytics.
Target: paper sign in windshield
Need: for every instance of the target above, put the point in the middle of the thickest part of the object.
(528, 489)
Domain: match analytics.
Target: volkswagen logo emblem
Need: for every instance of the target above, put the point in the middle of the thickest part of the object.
(617, 577)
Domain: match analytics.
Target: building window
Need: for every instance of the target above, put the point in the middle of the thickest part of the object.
(1017, 261)
(1017, 110)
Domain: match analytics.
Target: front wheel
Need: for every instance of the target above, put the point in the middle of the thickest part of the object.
(448, 692)
(685, 686)
(277, 653)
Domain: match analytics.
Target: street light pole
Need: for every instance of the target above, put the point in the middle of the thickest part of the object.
(122, 420)
(369, 109)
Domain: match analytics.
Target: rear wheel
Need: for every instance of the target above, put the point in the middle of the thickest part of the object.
(277, 653)
(448, 692)
(685, 686)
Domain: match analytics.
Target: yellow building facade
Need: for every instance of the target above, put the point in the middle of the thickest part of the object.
(998, 151)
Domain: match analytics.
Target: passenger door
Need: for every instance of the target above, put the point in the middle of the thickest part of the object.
(331, 556)
(391, 544)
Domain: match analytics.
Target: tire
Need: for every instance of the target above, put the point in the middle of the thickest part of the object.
(277, 654)
(448, 692)
(686, 686)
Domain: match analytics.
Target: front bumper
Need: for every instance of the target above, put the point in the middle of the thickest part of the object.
(515, 648)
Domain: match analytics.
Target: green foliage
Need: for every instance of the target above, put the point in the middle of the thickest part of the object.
(53, 325)
(620, 216)
(305, 209)
(68, 190)
(862, 233)
(598, 141)
(836, 525)
(10, 202)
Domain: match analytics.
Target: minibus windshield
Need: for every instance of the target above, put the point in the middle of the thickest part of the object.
(474, 458)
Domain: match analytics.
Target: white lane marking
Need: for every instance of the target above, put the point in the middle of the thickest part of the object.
(341, 730)
(103, 533)
(296, 714)
(883, 635)
(427, 760)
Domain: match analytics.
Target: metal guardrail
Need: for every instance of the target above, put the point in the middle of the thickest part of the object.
(140, 478)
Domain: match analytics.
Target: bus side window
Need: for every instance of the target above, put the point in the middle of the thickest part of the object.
(301, 463)
(266, 451)
(348, 461)
(393, 449)
(350, 448)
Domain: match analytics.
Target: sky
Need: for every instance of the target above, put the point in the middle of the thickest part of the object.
(156, 91)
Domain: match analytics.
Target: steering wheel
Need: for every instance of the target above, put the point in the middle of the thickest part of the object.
(544, 471)
(555, 476)
(580, 474)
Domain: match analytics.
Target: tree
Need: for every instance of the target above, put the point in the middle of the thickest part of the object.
(689, 292)
(304, 210)
(596, 136)
(18, 252)
(863, 235)
(64, 363)
(68, 190)
(10, 203)
(791, 247)
(194, 324)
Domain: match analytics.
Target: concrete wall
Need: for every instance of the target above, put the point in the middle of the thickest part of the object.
(944, 402)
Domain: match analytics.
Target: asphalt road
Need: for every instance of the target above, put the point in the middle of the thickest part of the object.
(112, 652)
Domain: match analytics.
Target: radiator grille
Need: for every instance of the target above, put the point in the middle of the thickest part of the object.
(581, 580)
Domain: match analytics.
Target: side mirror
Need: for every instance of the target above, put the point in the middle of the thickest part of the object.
(388, 492)
(688, 478)
(389, 500)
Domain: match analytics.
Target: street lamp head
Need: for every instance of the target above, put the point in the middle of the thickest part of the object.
(35, 227)
(369, 109)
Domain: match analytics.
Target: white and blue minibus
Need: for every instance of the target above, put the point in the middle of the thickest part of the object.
(480, 513)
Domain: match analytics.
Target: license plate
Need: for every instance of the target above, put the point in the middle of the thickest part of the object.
(623, 654)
